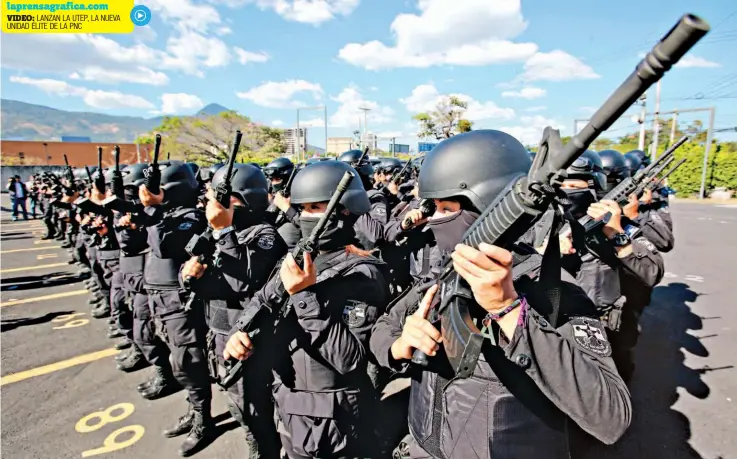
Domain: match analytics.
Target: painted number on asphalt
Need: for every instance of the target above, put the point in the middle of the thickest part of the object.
(70, 320)
(99, 419)
(688, 277)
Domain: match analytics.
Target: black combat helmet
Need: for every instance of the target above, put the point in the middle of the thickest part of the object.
(317, 183)
(588, 167)
(389, 166)
(644, 158)
(249, 185)
(634, 163)
(365, 169)
(615, 167)
(280, 168)
(134, 175)
(476, 165)
(195, 168)
(206, 173)
(178, 182)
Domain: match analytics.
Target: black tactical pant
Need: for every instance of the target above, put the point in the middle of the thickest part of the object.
(49, 222)
(104, 274)
(119, 309)
(184, 332)
(98, 274)
(144, 333)
(250, 403)
(80, 250)
(624, 340)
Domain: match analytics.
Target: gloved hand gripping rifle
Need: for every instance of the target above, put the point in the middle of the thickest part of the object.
(526, 198)
(202, 245)
(251, 320)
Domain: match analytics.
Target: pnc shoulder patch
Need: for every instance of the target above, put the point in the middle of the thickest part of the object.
(184, 226)
(354, 314)
(266, 241)
(589, 334)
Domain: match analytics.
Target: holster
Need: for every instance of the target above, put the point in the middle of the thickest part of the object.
(613, 318)
(212, 358)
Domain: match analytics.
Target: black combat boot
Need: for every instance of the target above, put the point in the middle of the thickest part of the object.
(101, 311)
(162, 384)
(95, 298)
(114, 332)
(199, 436)
(183, 425)
(124, 343)
(135, 361)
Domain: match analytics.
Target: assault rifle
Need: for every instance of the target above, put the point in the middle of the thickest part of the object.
(287, 190)
(99, 181)
(527, 197)
(202, 245)
(117, 201)
(654, 185)
(427, 207)
(153, 173)
(72, 187)
(249, 321)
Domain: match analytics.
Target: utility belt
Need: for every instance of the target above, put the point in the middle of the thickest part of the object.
(612, 316)
(217, 366)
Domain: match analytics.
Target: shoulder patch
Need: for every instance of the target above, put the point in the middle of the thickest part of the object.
(266, 241)
(184, 226)
(354, 314)
(380, 210)
(590, 335)
(649, 245)
(656, 217)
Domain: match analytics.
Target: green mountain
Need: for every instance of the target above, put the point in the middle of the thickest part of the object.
(22, 121)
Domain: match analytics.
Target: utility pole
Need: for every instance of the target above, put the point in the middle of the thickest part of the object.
(673, 124)
(656, 121)
(394, 147)
(709, 134)
(298, 147)
(138, 149)
(641, 120)
(365, 125)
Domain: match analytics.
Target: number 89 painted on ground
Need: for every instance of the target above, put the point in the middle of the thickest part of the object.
(104, 418)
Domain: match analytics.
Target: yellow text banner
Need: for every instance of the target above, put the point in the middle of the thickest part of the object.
(50, 16)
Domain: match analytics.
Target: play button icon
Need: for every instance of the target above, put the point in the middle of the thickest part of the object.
(140, 15)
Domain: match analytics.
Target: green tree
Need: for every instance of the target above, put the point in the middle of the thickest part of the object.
(208, 139)
(445, 121)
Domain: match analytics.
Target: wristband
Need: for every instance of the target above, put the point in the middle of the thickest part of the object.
(498, 315)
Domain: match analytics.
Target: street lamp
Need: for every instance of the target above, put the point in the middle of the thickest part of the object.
(324, 109)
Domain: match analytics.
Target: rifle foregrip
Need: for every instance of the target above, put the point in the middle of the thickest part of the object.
(236, 366)
(493, 226)
(420, 358)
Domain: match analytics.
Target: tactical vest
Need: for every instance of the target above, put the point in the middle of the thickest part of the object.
(222, 314)
(163, 273)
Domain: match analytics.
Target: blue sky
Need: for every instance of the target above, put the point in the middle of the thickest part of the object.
(521, 66)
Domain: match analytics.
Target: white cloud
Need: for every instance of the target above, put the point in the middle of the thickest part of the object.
(85, 54)
(274, 94)
(92, 97)
(530, 128)
(349, 111)
(180, 103)
(141, 75)
(425, 97)
(536, 108)
(588, 110)
(556, 65)
(247, 56)
(391, 135)
(373, 88)
(306, 11)
(224, 30)
(691, 61)
(277, 123)
(525, 93)
(185, 15)
(450, 32)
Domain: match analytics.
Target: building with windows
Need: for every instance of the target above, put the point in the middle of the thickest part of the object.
(291, 141)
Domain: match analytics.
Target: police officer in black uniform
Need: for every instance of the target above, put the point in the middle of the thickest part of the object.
(370, 226)
(533, 377)
(280, 212)
(246, 252)
(171, 222)
(321, 389)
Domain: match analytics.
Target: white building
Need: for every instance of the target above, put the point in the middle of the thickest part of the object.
(290, 138)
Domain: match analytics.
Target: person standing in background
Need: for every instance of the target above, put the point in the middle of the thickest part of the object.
(18, 194)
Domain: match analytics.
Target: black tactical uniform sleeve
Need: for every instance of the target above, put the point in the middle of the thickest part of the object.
(644, 263)
(388, 329)
(572, 366)
(131, 240)
(247, 261)
(340, 333)
(393, 229)
(169, 236)
(656, 230)
(370, 226)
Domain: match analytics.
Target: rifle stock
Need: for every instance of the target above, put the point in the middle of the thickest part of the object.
(309, 245)
(525, 198)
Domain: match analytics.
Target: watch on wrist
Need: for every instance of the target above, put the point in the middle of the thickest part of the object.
(621, 240)
(218, 234)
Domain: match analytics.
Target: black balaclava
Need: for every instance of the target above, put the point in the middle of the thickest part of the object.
(338, 232)
(580, 201)
(449, 230)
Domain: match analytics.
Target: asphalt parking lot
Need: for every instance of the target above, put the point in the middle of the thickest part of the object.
(63, 398)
